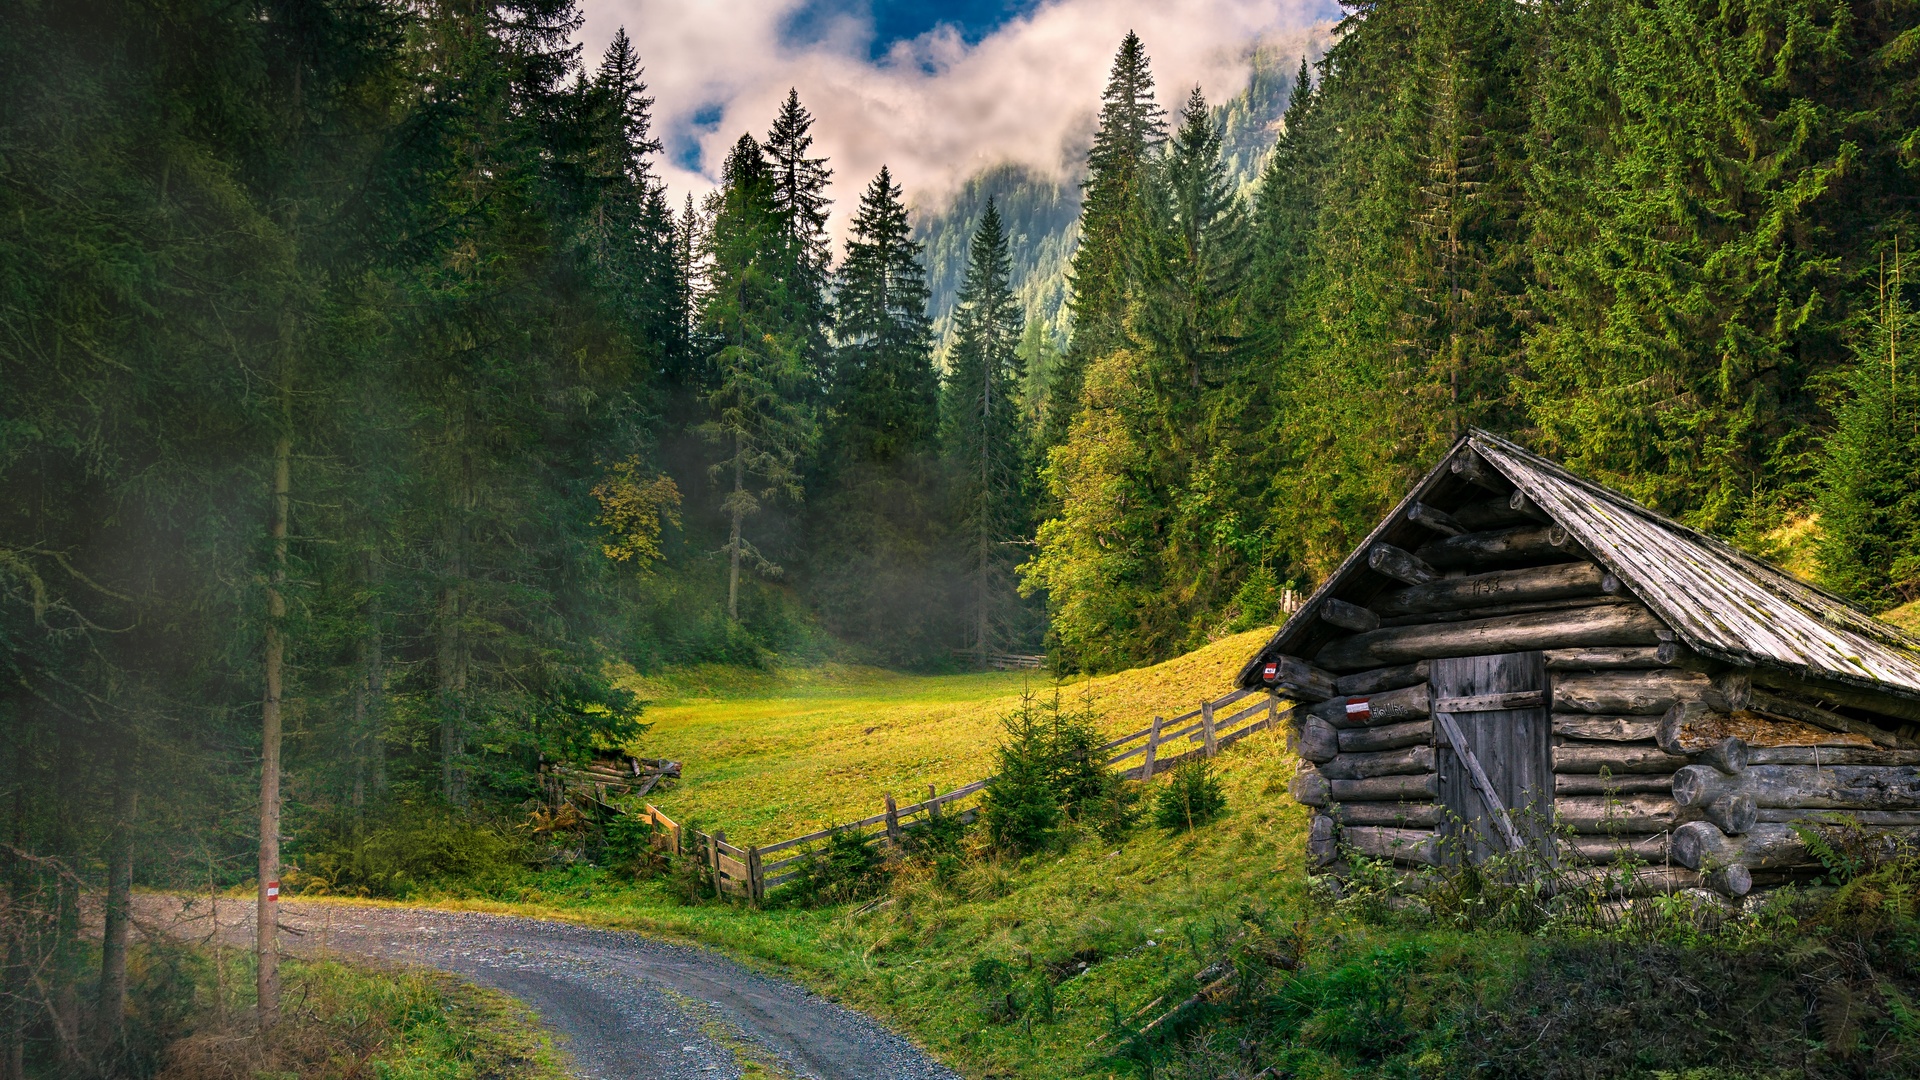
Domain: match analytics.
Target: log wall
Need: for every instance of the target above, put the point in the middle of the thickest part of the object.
(1657, 756)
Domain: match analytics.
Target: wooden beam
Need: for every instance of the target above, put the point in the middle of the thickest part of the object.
(1629, 693)
(1381, 679)
(1609, 624)
(1348, 616)
(1520, 504)
(1437, 520)
(1472, 467)
(1521, 544)
(1559, 581)
(1400, 565)
(1407, 761)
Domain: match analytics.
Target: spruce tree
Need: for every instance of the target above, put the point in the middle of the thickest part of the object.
(985, 440)
(884, 390)
(874, 533)
(757, 419)
(1132, 127)
(798, 182)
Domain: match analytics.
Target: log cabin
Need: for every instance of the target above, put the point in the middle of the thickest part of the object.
(1520, 660)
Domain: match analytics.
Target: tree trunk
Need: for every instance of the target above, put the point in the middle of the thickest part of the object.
(13, 1044)
(267, 931)
(118, 921)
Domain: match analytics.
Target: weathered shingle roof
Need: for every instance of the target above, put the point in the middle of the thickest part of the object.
(1718, 600)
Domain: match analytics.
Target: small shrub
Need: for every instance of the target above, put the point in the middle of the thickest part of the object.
(1191, 799)
(1052, 772)
(848, 866)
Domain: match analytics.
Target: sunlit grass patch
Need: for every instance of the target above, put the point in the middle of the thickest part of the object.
(770, 755)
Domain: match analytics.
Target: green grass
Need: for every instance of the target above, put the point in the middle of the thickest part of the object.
(769, 755)
(345, 1020)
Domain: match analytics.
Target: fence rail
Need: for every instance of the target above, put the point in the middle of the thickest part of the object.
(746, 872)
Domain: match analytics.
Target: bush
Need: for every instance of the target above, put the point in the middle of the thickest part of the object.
(848, 866)
(1191, 799)
(413, 849)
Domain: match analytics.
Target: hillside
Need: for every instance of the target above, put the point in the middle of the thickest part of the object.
(773, 755)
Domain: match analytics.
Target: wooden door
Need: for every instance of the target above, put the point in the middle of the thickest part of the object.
(1499, 705)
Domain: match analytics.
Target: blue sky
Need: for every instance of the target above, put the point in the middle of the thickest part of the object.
(904, 20)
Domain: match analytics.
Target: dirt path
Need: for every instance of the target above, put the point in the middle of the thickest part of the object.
(625, 1006)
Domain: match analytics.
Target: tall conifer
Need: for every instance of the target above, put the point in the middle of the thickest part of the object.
(1132, 126)
(985, 441)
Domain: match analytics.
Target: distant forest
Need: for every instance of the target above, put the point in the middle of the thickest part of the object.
(360, 374)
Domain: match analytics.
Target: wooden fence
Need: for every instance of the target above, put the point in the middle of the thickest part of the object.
(751, 873)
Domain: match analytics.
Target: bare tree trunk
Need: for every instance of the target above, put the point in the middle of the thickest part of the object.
(266, 912)
(450, 660)
(112, 1008)
(985, 508)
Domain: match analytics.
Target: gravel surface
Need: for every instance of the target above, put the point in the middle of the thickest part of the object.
(625, 1006)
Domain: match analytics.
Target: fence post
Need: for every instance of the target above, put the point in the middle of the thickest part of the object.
(893, 823)
(713, 851)
(1153, 741)
(933, 801)
(1207, 738)
(756, 881)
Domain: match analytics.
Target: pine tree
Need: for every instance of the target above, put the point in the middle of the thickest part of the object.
(884, 392)
(799, 185)
(1132, 127)
(985, 440)
(757, 419)
(874, 535)
(1869, 493)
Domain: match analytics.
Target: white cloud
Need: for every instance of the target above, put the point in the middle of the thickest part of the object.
(936, 109)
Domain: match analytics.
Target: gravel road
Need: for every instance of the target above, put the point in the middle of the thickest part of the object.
(624, 1006)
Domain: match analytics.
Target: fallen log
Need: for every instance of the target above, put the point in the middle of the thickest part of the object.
(1317, 740)
(1400, 565)
(1392, 707)
(1403, 762)
(1387, 737)
(1610, 624)
(1605, 784)
(1605, 658)
(1613, 757)
(1399, 815)
(1380, 680)
(1561, 581)
(1419, 846)
(1630, 693)
(1806, 787)
(1522, 544)
(1604, 728)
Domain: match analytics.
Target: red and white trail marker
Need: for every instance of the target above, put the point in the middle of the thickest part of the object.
(1359, 711)
(273, 891)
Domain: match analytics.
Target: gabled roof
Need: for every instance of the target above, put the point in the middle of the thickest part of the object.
(1719, 601)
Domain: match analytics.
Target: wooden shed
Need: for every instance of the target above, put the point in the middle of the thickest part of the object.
(1518, 658)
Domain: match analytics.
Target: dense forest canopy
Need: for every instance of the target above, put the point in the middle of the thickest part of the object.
(362, 380)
